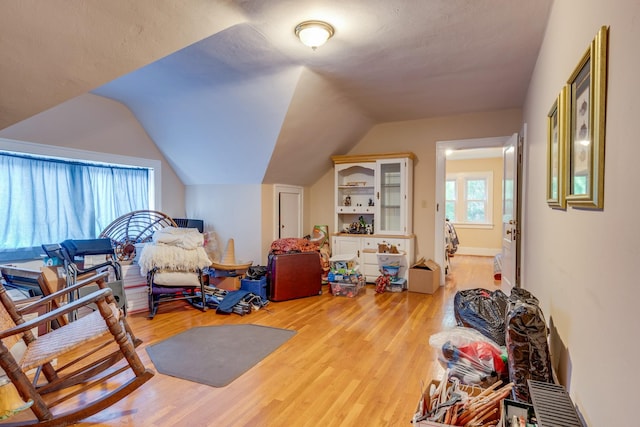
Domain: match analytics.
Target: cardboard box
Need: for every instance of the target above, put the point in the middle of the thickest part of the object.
(424, 277)
(231, 283)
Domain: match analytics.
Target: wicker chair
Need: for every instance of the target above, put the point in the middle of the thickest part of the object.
(50, 397)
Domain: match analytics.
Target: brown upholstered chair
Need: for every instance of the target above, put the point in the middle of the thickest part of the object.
(48, 386)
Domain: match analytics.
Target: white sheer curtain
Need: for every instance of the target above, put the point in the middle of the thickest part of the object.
(49, 200)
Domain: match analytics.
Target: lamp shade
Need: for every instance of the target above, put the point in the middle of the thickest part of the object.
(314, 33)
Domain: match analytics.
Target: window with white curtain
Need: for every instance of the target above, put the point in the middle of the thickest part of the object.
(451, 196)
(469, 198)
(48, 200)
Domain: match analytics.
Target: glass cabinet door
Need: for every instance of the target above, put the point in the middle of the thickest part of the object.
(391, 195)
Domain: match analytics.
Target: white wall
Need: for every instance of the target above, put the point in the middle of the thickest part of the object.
(231, 212)
(582, 265)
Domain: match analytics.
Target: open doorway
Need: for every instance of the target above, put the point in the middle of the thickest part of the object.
(491, 219)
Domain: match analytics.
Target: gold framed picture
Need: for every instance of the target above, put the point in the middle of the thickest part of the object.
(587, 97)
(556, 151)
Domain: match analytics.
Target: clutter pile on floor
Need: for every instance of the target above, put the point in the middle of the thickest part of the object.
(226, 302)
(229, 300)
(459, 405)
(238, 301)
(492, 361)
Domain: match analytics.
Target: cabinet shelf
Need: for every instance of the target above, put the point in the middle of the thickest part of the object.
(355, 210)
(356, 187)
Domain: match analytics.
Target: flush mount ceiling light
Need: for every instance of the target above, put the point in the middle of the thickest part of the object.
(314, 33)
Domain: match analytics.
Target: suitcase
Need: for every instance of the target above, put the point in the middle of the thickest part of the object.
(295, 275)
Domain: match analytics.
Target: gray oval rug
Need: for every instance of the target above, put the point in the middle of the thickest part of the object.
(216, 355)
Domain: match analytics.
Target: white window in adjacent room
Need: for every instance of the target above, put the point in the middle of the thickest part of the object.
(451, 196)
(469, 198)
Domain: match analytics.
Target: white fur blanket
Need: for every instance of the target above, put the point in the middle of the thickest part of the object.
(187, 238)
(168, 257)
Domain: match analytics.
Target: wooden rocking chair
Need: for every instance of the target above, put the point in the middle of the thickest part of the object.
(65, 380)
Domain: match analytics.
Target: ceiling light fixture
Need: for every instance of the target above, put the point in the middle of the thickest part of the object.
(314, 33)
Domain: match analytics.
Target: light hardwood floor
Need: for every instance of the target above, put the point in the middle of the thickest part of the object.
(353, 362)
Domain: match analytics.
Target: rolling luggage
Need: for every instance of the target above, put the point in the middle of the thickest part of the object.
(294, 275)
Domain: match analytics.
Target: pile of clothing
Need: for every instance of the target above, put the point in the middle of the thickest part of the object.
(239, 302)
(293, 245)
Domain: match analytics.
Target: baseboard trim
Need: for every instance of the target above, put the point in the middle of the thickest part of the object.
(478, 251)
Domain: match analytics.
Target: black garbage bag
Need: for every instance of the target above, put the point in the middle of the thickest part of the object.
(526, 341)
(482, 310)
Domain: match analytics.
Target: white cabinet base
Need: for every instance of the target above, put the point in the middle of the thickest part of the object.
(365, 248)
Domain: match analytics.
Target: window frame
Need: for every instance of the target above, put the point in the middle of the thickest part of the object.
(461, 179)
(154, 167)
(454, 201)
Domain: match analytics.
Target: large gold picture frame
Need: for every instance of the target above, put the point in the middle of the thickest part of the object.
(556, 151)
(587, 97)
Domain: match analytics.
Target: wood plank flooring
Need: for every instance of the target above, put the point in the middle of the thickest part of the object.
(354, 361)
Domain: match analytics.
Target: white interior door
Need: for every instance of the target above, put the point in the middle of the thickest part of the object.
(289, 212)
(510, 226)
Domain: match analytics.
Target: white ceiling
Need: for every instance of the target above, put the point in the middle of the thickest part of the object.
(229, 79)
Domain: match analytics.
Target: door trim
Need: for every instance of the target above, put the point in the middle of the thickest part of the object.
(521, 164)
(282, 188)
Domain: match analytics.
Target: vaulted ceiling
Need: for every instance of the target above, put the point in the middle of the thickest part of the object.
(228, 78)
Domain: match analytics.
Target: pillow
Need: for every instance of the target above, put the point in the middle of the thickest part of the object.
(186, 238)
(178, 279)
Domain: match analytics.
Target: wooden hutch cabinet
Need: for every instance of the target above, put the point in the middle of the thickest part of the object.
(374, 205)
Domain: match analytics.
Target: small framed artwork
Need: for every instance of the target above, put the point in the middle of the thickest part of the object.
(587, 96)
(556, 151)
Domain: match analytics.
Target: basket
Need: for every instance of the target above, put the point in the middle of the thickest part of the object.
(391, 271)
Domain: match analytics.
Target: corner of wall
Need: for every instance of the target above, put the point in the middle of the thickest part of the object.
(267, 216)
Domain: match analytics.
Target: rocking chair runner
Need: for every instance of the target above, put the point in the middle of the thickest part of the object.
(83, 370)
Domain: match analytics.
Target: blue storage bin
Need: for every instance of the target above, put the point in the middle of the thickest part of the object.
(258, 287)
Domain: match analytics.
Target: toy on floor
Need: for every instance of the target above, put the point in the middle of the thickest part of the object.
(382, 282)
